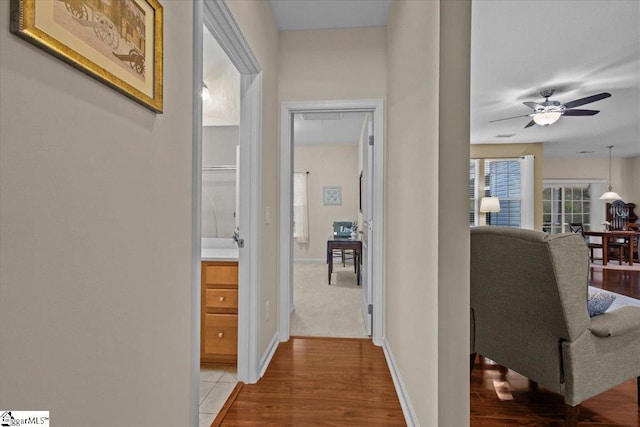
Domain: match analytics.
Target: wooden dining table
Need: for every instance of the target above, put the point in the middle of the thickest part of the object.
(614, 234)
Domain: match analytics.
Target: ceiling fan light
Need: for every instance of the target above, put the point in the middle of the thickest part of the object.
(547, 118)
(610, 196)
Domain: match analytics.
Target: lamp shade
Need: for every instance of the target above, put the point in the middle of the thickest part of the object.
(547, 118)
(490, 204)
(610, 196)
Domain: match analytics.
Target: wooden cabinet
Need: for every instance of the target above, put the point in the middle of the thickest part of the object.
(219, 312)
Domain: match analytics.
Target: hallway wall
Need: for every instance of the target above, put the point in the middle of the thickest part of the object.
(259, 29)
(95, 246)
(328, 165)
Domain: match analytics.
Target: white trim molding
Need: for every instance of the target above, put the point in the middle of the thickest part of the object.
(401, 390)
(268, 354)
(287, 109)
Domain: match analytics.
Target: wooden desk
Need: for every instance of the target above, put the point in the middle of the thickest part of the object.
(606, 235)
(349, 244)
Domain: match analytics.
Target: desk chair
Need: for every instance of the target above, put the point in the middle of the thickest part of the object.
(342, 229)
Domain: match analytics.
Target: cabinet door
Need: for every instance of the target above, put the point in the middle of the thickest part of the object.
(220, 334)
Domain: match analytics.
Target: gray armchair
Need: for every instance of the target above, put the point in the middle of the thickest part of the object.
(529, 313)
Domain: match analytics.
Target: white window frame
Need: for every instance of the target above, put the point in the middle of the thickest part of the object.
(597, 187)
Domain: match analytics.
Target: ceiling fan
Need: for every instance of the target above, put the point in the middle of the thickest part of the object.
(549, 112)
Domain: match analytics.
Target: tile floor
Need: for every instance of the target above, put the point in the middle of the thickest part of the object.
(216, 384)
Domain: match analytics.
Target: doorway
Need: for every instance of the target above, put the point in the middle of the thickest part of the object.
(216, 18)
(371, 271)
(330, 150)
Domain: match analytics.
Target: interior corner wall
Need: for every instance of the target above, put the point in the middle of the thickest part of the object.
(329, 165)
(453, 217)
(410, 208)
(488, 151)
(96, 238)
(259, 29)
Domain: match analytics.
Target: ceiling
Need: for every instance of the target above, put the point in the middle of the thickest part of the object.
(577, 47)
(299, 15)
(327, 128)
(223, 81)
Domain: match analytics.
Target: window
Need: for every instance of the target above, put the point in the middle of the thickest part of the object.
(511, 180)
(570, 201)
(502, 180)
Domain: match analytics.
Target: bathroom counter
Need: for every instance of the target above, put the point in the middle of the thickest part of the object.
(215, 249)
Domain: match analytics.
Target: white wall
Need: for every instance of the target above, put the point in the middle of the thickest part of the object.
(332, 64)
(630, 186)
(329, 165)
(427, 306)
(95, 238)
(625, 175)
(411, 279)
(259, 29)
(453, 233)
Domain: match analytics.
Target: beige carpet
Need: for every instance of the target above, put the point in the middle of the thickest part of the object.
(323, 310)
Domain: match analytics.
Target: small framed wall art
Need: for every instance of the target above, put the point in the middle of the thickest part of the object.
(118, 42)
(332, 195)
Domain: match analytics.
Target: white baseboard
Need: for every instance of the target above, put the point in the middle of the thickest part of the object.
(401, 391)
(318, 260)
(268, 355)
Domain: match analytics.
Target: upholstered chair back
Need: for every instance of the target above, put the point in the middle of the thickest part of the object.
(528, 291)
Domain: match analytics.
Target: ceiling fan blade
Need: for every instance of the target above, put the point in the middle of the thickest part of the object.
(579, 112)
(588, 99)
(531, 123)
(509, 118)
(534, 105)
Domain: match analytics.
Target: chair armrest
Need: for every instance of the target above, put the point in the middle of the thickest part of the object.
(617, 322)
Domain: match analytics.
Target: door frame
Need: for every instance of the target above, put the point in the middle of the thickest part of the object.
(287, 109)
(219, 21)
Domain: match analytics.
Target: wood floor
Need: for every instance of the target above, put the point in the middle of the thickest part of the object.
(346, 382)
(319, 381)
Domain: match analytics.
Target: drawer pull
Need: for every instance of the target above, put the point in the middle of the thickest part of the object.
(220, 334)
(222, 299)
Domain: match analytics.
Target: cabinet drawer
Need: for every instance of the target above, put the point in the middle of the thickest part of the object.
(221, 274)
(221, 298)
(220, 334)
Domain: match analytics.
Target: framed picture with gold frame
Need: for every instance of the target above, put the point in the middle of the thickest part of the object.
(118, 42)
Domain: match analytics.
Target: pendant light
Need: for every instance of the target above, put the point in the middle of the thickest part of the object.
(610, 195)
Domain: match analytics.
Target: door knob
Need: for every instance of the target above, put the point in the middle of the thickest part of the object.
(220, 334)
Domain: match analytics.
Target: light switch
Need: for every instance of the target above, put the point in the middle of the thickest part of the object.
(267, 215)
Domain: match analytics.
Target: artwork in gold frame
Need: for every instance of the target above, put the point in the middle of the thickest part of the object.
(118, 42)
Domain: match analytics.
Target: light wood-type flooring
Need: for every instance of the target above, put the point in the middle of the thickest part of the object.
(346, 382)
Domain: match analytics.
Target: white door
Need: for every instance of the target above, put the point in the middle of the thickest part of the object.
(366, 188)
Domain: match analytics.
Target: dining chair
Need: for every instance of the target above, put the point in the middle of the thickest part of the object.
(636, 240)
(578, 228)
